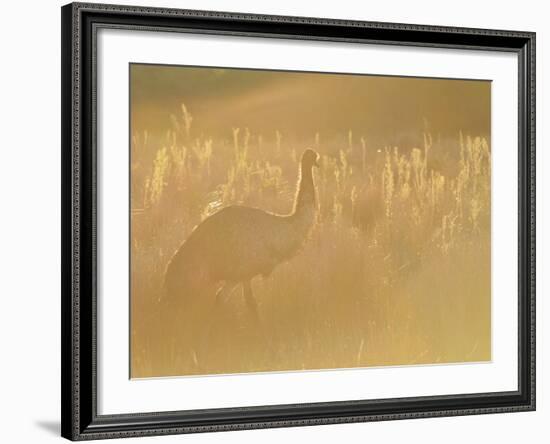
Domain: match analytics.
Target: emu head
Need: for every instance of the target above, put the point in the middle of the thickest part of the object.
(310, 159)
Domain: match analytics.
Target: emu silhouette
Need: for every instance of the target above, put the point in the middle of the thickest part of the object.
(238, 243)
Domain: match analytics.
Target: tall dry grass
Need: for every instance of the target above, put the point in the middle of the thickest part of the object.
(397, 270)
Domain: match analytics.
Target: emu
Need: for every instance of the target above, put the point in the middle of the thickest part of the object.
(238, 243)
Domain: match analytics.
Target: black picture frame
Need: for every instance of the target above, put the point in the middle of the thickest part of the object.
(80, 420)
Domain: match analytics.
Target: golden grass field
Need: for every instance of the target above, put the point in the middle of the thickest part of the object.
(397, 270)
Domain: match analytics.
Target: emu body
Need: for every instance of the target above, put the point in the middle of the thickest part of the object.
(239, 243)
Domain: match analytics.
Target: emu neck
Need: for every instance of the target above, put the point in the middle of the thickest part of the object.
(305, 197)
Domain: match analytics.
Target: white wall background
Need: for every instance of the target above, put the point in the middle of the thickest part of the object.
(30, 220)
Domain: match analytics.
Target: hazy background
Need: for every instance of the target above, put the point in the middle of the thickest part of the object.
(397, 269)
(387, 109)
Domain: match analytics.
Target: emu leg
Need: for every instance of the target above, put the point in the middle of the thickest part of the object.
(253, 309)
(250, 301)
(212, 320)
(224, 291)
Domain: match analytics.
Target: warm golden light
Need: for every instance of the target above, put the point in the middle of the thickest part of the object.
(293, 221)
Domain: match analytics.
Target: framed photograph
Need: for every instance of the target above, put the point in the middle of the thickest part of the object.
(281, 221)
